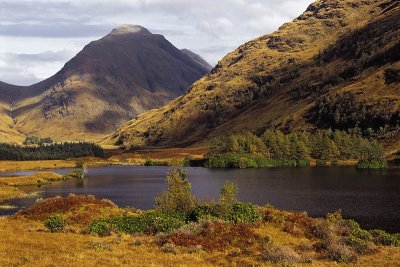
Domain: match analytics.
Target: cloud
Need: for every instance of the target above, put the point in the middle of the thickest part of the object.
(26, 69)
(208, 27)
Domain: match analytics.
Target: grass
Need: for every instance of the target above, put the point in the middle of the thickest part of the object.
(38, 178)
(25, 240)
(10, 192)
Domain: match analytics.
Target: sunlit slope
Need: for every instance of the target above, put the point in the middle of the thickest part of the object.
(324, 69)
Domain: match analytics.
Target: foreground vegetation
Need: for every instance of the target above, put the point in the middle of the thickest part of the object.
(83, 230)
(50, 151)
(276, 149)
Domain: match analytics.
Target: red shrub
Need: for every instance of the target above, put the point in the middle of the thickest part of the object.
(42, 210)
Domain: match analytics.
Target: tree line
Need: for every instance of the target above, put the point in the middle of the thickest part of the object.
(276, 148)
(59, 151)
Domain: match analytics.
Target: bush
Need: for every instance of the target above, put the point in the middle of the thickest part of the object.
(205, 211)
(55, 222)
(341, 253)
(149, 222)
(372, 164)
(361, 246)
(243, 213)
(178, 198)
(321, 163)
(279, 254)
(380, 237)
(303, 163)
(100, 227)
(168, 248)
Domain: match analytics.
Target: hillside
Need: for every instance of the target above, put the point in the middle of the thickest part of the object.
(336, 65)
(109, 82)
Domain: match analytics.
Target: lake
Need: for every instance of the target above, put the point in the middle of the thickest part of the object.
(370, 197)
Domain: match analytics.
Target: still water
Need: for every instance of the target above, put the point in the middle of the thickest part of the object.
(370, 197)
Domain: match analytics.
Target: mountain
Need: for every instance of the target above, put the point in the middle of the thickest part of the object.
(335, 66)
(109, 82)
(197, 58)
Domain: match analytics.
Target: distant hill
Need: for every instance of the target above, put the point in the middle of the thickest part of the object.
(109, 82)
(197, 58)
(335, 66)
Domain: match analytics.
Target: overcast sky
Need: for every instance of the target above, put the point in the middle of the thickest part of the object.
(37, 37)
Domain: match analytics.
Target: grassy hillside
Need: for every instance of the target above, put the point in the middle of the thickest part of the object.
(336, 65)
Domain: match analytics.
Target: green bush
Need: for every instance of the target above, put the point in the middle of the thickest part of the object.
(303, 163)
(372, 164)
(243, 213)
(55, 222)
(204, 211)
(382, 238)
(100, 227)
(321, 163)
(149, 222)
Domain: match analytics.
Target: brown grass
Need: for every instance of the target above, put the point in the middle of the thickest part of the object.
(60, 205)
(216, 236)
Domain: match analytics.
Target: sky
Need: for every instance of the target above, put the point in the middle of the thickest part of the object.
(37, 37)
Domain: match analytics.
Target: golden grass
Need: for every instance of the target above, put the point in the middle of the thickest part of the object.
(28, 243)
(163, 154)
(41, 177)
(7, 166)
(10, 192)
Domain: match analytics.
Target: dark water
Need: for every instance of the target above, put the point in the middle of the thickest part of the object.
(370, 197)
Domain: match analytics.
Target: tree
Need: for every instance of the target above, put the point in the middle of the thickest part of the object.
(178, 198)
(228, 194)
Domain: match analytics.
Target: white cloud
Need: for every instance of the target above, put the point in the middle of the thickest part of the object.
(208, 27)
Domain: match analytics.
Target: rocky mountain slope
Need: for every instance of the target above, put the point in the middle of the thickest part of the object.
(335, 66)
(109, 82)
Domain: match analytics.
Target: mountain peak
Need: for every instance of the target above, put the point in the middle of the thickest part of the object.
(129, 29)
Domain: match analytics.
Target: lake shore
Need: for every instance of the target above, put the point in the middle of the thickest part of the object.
(10, 186)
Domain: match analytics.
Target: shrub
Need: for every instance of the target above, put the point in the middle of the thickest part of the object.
(380, 237)
(178, 198)
(42, 210)
(243, 213)
(321, 163)
(361, 246)
(168, 248)
(79, 164)
(204, 211)
(279, 254)
(55, 222)
(214, 236)
(341, 253)
(372, 164)
(303, 163)
(149, 222)
(100, 227)
(195, 249)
